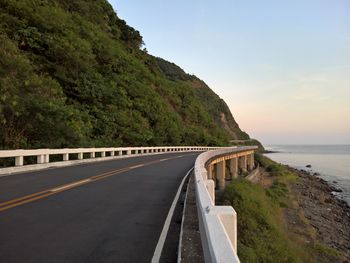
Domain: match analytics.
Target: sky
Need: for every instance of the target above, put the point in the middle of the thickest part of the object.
(283, 67)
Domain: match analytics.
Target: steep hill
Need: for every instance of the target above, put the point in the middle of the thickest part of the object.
(74, 74)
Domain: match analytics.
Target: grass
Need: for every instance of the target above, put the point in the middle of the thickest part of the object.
(327, 251)
(261, 238)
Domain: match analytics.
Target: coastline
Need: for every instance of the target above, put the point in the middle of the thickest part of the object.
(315, 216)
(329, 162)
(318, 215)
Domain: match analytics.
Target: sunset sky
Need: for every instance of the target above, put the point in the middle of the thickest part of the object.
(283, 67)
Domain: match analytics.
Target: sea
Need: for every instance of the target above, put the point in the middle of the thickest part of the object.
(331, 162)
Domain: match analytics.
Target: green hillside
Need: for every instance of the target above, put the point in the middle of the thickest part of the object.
(73, 74)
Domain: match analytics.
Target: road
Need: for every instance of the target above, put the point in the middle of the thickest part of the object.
(111, 211)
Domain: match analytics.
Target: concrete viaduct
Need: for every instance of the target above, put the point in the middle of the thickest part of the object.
(115, 204)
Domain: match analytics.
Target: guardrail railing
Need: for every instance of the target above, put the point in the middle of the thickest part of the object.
(43, 157)
(217, 224)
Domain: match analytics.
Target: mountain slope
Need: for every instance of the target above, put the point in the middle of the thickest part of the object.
(73, 74)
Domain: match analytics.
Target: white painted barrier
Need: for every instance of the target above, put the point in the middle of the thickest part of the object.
(43, 155)
(217, 224)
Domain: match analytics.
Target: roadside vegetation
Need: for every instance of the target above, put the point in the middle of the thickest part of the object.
(263, 233)
(73, 74)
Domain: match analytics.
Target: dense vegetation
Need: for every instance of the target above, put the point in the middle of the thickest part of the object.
(73, 74)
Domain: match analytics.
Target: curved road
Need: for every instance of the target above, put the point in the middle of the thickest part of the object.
(111, 211)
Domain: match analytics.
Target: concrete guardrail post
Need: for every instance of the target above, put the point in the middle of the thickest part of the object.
(66, 157)
(19, 161)
(40, 159)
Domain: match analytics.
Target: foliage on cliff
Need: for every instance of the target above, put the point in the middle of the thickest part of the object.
(74, 74)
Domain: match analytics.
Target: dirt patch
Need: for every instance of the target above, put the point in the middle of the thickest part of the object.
(264, 178)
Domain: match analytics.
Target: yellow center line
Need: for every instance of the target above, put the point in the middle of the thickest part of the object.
(38, 195)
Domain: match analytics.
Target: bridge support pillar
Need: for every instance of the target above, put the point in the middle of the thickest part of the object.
(210, 171)
(250, 162)
(103, 154)
(220, 175)
(128, 152)
(92, 155)
(234, 167)
(112, 153)
(243, 163)
(46, 158)
(80, 156)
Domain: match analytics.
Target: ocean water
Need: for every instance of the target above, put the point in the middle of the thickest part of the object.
(332, 162)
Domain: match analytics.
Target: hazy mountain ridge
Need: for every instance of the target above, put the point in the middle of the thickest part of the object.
(73, 74)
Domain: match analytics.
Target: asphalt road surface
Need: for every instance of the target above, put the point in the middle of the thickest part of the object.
(111, 211)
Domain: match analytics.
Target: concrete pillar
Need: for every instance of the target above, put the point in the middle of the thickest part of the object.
(103, 154)
(229, 221)
(40, 159)
(112, 153)
(220, 175)
(210, 171)
(234, 167)
(92, 155)
(128, 152)
(65, 156)
(242, 162)
(227, 170)
(80, 156)
(250, 162)
(46, 158)
(19, 161)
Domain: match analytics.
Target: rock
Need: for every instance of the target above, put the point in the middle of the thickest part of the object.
(335, 182)
(316, 174)
(308, 166)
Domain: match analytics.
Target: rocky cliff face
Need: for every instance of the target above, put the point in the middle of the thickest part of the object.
(73, 74)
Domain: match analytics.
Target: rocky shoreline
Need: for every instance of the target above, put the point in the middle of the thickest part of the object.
(317, 216)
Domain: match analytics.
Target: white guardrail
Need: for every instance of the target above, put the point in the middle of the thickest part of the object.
(82, 154)
(217, 224)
